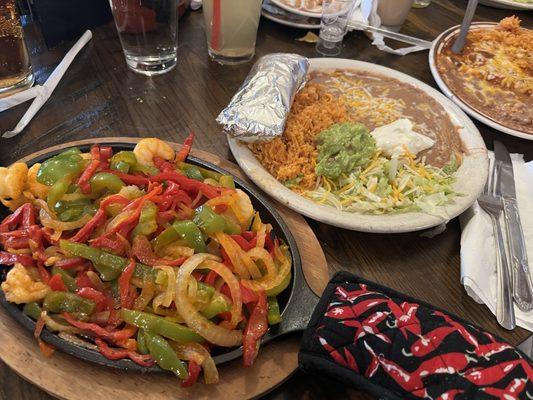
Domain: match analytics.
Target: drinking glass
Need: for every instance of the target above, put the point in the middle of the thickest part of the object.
(393, 13)
(231, 29)
(335, 14)
(15, 68)
(148, 32)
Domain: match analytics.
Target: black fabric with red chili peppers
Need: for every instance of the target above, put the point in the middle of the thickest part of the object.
(398, 347)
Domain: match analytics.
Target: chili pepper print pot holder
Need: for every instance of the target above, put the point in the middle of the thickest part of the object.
(396, 347)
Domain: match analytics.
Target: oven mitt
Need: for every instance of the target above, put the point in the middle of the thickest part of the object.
(396, 347)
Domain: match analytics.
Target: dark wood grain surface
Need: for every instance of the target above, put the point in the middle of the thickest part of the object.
(99, 96)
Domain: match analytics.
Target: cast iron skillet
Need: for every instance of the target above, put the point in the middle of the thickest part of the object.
(296, 302)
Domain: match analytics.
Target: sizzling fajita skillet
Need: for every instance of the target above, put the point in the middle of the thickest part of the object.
(296, 302)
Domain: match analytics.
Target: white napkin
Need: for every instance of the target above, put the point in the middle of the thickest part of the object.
(478, 257)
(365, 12)
(41, 93)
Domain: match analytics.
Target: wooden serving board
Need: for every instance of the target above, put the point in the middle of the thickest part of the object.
(69, 378)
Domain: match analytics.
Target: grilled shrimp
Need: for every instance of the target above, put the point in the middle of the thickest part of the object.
(20, 288)
(147, 149)
(12, 181)
(37, 189)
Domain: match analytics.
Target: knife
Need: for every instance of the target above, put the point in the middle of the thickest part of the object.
(521, 278)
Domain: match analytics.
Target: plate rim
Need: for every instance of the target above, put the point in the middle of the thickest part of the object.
(294, 10)
(435, 47)
(285, 22)
(94, 357)
(390, 223)
(507, 5)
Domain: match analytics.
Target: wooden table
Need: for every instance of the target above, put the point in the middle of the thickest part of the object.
(99, 97)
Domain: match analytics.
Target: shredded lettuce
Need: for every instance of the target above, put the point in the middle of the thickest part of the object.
(390, 185)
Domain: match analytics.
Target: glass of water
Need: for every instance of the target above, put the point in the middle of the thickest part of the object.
(335, 14)
(148, 31)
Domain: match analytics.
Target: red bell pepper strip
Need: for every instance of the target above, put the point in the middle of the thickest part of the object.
(142, 250)
(45, 348)
(16, 243)
(83, 234)
(194, 372)
(255, 329)
(145, 360)
(87, 174)
(128, 179)
(126, 301)
(56, 283)
(10, 259)
(225, 258)
(92, 294)
(83, 281)
(43, 272)
(187, 184)
(116, 245)
(248, 295)
(37, 243)
(211, 277)
(106, 152)
(97, 330)
(70, 263)
(24, 215)
(243, 243)
(185, 149)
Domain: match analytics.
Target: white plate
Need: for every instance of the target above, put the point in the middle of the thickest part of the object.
(486, 119)
(471, 175)
(507, 4)
(299, 11)
(283, 17)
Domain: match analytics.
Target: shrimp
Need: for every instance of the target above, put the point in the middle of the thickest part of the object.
(12, 182)
(19, 287)
(147, 149)
(37, 189)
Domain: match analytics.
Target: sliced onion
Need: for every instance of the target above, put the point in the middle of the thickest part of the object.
(243, 264)
(261, 236)
(211, 332)
(77, 341)
(273, 277)
(147, 294)
(55, 326)
(197, 353)
(165, 298)
(48, 221)
(118, 219)
(96, 281)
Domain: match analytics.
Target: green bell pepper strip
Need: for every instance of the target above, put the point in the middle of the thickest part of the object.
(218, 304)
(227, 181)
(74, 209)
(141, 342)
(105, 181)
(206, 173)
(147, 220)
(168, 236)
(58, 190)
(164, 355)
(59, 302)
(68, 280)
(274, 316)
(161, 326)
(110, 266)
(193, 172)
(32, 310)
(67, 164)
(123, 161)
(191, 233)
(208, 220)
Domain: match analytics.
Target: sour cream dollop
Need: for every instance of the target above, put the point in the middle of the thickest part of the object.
(392, 138)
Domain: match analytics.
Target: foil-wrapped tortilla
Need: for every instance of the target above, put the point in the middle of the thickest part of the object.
(259, 109)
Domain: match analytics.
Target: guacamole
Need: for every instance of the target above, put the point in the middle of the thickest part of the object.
(342, 148)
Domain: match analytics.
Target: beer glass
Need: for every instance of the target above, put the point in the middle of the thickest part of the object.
(148, 32)
(231, 29)
(15, 68)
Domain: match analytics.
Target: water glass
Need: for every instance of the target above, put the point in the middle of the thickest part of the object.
(231, 29)
(16, 72)
(148, 32)
(335, 14)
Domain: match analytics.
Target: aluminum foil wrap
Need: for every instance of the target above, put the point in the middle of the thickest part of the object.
(257, 112)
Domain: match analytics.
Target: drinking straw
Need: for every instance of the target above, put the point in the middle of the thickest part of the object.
(215, 29)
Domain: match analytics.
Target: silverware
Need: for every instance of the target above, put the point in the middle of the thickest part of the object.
(465, 26)
(391, 35)
(491, 203)
(521, 278)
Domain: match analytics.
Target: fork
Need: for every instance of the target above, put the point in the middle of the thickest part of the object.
(492, 204)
